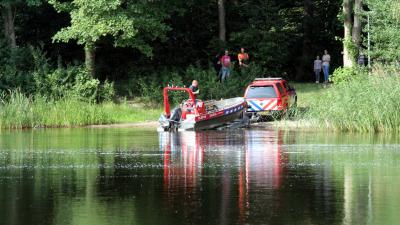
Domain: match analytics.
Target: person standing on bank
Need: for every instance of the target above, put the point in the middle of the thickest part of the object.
(217, 66)
(226, 66)
(326, 60)
(317, 69)
(243, 58)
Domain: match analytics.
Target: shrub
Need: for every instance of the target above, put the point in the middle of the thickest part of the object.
(346, 74)
(28, 70)
(106, 91)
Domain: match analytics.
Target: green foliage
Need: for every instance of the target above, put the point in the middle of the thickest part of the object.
(129, 23)
(14, 65)
(368, 103)
(346, 74)
(27, 2)
(106, 92)
(351, 48)
(150, 87)
(85, 87)
(384, 30)
(29, 70)
(73, 82)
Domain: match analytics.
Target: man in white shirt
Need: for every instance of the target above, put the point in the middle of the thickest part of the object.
(326, 60)
(317, 69)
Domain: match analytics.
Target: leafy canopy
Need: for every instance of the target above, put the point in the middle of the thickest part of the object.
(130, 23)
(15, 2)
(385, 29)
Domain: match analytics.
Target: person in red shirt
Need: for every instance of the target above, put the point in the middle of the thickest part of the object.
(226, 66)
(243, 58)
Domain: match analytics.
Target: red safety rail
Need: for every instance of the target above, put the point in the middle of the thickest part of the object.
(167, 108)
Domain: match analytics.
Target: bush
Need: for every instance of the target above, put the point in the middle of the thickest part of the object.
(15, 65)
(28, 70)
(341, 75)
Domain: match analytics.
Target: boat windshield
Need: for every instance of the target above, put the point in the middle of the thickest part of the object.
(261, 92)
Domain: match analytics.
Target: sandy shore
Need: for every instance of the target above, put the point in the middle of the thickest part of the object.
(285, 124)
(149, 124)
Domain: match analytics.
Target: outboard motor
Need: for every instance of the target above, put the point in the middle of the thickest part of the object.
(172, 123)
(175, 119)
(164, 122)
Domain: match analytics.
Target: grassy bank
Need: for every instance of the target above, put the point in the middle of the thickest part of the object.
(365, 103)
(19, 111)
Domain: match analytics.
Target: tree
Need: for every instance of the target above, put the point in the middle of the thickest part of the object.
(357, 24)
(129, 23)
(353, 25)
(307, 41)
(8, 12)
(222, 22)
(347, 43)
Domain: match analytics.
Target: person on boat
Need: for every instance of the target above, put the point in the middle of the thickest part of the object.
(195, 87)
(243, 58)
(198, 104)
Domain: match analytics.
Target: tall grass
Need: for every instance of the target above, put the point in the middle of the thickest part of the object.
(19, 111)
(366, 103)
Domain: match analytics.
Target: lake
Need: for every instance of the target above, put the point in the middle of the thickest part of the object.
(245, 176)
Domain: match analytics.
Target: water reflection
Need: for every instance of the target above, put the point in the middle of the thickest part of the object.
(250, 161)
(258, 176)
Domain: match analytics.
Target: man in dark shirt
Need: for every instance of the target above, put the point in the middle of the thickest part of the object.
(195, 87)
(217, 66)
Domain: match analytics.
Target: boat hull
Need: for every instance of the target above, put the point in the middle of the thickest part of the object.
(229, 111)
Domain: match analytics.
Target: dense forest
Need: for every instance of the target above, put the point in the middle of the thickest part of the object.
(96, 50)
(124, 37)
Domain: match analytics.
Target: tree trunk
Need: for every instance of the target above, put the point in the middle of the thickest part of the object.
(9, 29)
(302, 70)
(357, 25)
(90, 56)
(347, 56)
(222, 23)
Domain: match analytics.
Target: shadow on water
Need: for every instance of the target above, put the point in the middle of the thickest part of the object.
(249, 176)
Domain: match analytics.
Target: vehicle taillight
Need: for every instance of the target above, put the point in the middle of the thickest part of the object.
(279, 102)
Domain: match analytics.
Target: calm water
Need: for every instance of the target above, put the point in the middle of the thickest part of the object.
(130, 176)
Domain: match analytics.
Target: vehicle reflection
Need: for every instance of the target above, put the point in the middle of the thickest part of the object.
(246, 159)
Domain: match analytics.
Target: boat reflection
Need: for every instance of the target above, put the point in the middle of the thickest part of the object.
(243, 162)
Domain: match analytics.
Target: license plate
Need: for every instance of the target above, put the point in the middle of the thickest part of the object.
(264, 113)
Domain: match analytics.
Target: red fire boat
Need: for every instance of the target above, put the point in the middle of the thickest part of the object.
(194, 114)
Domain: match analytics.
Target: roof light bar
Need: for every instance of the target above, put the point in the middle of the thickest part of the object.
(269, 78)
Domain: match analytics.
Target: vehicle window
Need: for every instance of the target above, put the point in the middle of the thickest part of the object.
(286, 85)
(280, 88)
(261, 92)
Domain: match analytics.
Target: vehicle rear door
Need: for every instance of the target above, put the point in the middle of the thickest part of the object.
(283, 95)
(262, 98)
(291, 93)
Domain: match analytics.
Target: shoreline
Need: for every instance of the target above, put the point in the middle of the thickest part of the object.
(146, 124)
(154, 124)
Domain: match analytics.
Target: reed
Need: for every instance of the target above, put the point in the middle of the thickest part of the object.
(367, 103)
(19, 111)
